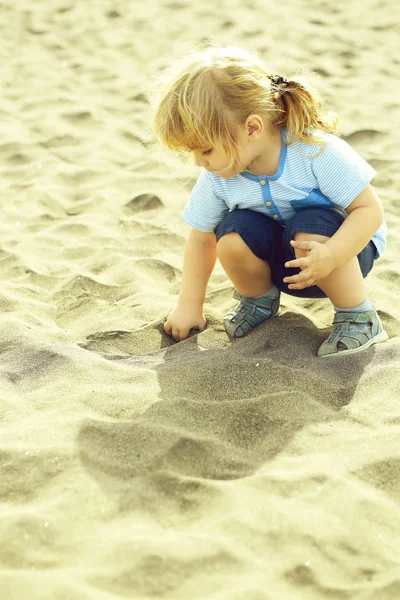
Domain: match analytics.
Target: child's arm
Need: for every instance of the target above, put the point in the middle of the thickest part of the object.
(365, 217)
(198, 263)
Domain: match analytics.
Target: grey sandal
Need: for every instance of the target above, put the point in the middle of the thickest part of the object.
(353, 332)
(249, 313)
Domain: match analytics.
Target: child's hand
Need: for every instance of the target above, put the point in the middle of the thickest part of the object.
(182, 320)
(317, 265)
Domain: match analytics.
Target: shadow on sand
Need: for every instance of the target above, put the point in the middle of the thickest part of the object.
(223, 412)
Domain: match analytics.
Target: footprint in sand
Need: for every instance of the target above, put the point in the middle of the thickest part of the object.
(113, 14)
(390, 276)
(143, 202)
(81, 286)
(364, 136)
(156, 271)
(383, 475)
(35, 532)
(60, 141)
(141, 97)
(81, 178)
(79, 119)
(25, 473)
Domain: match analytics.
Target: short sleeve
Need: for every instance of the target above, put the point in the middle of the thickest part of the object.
(341, 173)
(205, 208)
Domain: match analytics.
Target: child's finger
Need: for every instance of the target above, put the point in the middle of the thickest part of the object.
(298, 262)
(183, 334)
(305, 245)
(293, 279)
(301, 285)
(300, 277)
(175, 334)
(167, 328)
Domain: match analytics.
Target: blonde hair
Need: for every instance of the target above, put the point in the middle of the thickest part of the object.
(202, 100)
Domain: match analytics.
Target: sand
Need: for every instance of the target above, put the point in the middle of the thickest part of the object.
(135, 467)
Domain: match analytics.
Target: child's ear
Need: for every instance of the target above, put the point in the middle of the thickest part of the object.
(251, 128)
(254, 125)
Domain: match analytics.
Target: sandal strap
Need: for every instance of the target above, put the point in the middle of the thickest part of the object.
(250, 315)
(260, 301)
(354, 317)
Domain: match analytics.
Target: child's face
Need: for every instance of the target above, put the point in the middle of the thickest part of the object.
(251, 142)
(218, 161)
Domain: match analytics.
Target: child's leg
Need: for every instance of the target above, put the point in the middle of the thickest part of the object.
(250, 275)
(345, 287)
(259, 297)
(356, 324)
(246, 243)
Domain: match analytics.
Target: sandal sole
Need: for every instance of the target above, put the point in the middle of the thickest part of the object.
(378, 339)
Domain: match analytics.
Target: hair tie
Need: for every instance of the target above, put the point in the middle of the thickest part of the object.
(278, 81)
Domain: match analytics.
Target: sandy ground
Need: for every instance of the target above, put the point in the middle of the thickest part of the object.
(134, 467)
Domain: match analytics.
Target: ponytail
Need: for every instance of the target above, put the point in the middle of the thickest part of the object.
(301, 110)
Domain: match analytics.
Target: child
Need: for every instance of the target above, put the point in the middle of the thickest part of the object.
(284, 203)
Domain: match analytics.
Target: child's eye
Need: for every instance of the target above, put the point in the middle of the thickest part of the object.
(207, 152)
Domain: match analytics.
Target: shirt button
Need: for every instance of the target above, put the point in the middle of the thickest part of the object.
(276, 216)
(262, 181)
(268, 203)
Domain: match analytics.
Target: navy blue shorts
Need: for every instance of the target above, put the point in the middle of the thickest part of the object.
(270, 241)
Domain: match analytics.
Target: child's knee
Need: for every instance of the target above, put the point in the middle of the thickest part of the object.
(302, 236)
(232, 245)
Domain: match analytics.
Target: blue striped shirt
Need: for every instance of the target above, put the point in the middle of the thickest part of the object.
(306, 178)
